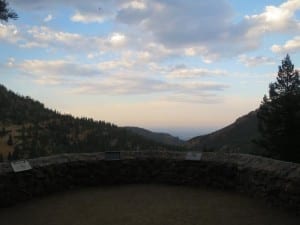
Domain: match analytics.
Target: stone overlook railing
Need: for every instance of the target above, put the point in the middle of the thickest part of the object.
(276, 181)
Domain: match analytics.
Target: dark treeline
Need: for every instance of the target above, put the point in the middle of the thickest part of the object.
(41, 131)
(17, 109)
(279, 114)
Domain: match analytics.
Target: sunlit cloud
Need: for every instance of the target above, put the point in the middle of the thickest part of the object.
(48, 18)
(115, 64)
(10, 62)
(88, 17)
(274, 19)
(182, 71)
(119, 84)
(56, 68)
(289, 47)
(102, 79)
(136, 4)
(181, 54)
(151, 19)
(45, 37)
(255, 61)
(9, 33)
(117, 39)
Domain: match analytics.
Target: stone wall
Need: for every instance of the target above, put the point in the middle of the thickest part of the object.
(276, 181)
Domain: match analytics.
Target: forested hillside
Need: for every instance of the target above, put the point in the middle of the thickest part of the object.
(155, 136)
(238, 137)
(28, 129)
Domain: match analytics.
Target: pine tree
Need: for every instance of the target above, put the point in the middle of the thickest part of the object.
(279, 114)
(5, 12)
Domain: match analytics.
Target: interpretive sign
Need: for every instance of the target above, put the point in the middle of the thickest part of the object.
(195, 156)
(20, 165)
(112, 156)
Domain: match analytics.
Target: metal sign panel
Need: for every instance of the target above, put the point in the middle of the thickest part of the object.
(112, 156)
(20, 165)
(195, 156)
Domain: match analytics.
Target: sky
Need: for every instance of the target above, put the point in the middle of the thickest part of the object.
(180, 66)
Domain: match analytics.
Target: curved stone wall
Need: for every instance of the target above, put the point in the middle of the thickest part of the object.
(276, 181)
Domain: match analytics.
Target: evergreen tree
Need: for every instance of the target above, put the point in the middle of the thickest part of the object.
(5, 12)
(279, 115)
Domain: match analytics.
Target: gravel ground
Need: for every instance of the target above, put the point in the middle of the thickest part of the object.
(145, 205)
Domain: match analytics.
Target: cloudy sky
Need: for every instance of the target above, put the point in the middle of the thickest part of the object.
(181, 66)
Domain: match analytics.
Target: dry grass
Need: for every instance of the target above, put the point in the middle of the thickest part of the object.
(5, 149)
(145, 205)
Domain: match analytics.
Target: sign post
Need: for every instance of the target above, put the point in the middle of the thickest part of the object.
(20, 165)
(193, 156)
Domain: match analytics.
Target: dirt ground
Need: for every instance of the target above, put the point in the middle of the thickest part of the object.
(145, 205)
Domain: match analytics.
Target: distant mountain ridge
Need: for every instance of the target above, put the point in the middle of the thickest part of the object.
(164, 138)
(28, 129)
(237, 137)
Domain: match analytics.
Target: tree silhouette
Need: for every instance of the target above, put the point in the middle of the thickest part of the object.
(279, 114)
(6, 13)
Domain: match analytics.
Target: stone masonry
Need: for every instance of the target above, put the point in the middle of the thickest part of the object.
(275, 181)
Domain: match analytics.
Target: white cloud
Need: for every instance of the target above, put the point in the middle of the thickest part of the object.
(88, 17)
(57, 69)
(134, 85)
(148, 52)
(122, 85)
(54, 4)
(115, 64)
(94, 55)
(202, 51)
(289, 47)
(203, 86)
(180, 22)
(32, 44)
(9, 33)
(48, 18)
(10, 62)
(255, 61)
(114, 78)
(274, 19)
(190, 30)
(182, 71)
(205, 29)
(136, 4)
(46, 80)
(117, 39)
(45, 37)
(194, 99)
